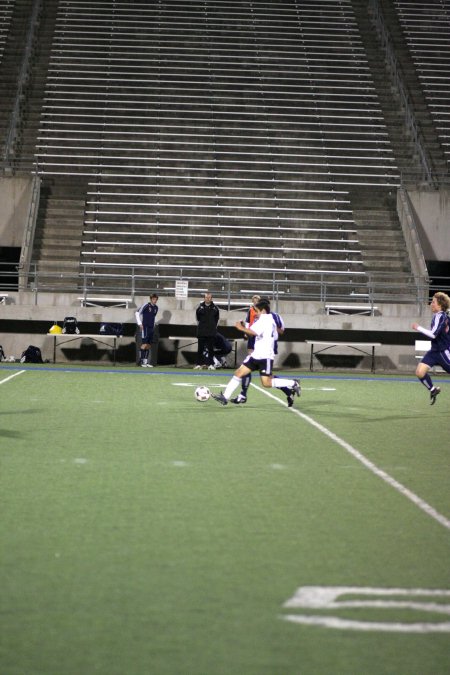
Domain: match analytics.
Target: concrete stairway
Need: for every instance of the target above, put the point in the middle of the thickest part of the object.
(57, 242)
(380, 234)
(390, 102)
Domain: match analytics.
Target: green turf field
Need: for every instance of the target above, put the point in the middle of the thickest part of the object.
(144, 533)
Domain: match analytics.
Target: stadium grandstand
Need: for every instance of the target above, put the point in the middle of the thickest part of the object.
(294, 149)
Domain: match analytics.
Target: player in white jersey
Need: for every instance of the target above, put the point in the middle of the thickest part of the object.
(241, 398)
(265, 331)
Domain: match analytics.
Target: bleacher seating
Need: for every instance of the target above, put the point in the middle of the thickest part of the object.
(215, 135)
(426, 27)
(10, 64)
(6, 9)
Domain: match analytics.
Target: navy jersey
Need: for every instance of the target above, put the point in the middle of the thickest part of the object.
(146, 314)
(280, 325)
(439, 332)
(278, 320)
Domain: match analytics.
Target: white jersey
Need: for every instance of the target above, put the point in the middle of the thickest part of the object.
(266, 333)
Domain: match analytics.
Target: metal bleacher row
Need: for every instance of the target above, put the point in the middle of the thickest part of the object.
(426, 27)
(6, 9)
(217, 136)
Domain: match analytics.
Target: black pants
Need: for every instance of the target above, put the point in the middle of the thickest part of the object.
(205, 350)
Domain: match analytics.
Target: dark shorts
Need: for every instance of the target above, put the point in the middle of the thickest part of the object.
(438, 359)
(147, 334)
(264, 366)
(251, 342)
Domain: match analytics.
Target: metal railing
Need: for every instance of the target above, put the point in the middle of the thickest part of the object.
(410, 233)
(397, 78)
(227, 284)
(30, 227)
(11, 135)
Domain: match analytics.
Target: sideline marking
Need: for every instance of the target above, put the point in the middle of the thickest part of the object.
(327, 598)
(11, 376)
(392, 482)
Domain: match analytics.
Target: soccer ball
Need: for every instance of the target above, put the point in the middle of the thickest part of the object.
(202, 393)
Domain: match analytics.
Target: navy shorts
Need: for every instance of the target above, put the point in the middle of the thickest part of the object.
(147, 334)
(264, 366)
(438, 359)
(251, 342)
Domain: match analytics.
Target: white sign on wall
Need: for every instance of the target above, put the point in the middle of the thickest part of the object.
(181, 289)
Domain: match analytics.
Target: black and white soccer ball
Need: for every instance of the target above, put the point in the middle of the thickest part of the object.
(202, 394)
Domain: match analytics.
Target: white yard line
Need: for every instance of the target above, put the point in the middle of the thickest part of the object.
(19, 372)
(427, 508)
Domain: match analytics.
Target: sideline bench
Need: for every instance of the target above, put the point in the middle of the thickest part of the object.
(90, 301)
(63, 338)
(351, 309)
(361, 347)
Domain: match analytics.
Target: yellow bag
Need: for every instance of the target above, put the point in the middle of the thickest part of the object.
(55, 329)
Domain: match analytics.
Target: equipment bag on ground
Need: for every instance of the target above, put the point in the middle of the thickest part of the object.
(31, 354)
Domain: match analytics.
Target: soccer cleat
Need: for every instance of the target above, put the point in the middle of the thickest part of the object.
(296, 389)
(220, 398)
(211, 367)
(434, 394)
(197, 367)
(239, 399)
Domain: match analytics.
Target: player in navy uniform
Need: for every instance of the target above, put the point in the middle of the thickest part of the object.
(265, 330)
(439, 334)
(145, 319)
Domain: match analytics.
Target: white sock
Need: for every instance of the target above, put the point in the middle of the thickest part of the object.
(279, 382)
(233, 384)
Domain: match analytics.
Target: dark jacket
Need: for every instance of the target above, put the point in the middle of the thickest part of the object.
(207, 319)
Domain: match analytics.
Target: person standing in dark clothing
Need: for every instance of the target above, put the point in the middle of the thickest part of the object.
(145, 319)
(207, 315)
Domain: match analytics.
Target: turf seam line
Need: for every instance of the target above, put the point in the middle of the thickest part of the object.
(392, 482)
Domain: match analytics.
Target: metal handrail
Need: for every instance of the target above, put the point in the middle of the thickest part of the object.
(396, 74)
(28, 237)
(411, 234)
(21, 84)
(311, 285)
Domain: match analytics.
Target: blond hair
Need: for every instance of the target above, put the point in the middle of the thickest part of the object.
(443, 300)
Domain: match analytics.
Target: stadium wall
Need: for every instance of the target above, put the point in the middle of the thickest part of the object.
(432, 210)
(26, 320)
